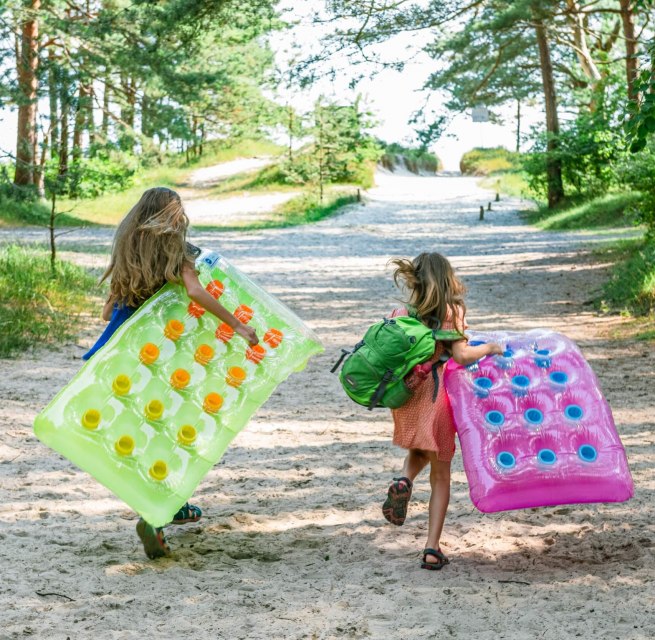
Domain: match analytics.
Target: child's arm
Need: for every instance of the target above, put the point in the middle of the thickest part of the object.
(107, 310)
(198, 294)
(465, 354)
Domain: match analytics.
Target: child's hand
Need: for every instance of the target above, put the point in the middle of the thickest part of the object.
(247, 332)
(495, 349)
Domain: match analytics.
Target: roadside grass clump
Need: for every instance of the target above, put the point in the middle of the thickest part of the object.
(607, 211)
(39, 305)
(631, 287)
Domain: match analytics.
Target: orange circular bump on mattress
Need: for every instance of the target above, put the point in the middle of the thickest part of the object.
(273, 338)
(91, 419)
(124, 445)
(154, 410)
(244, 313)
(235, 376)
(256, 353)
(215, 289)
(186, 435)
(121, 385)
(224, 332)
(149, 353)
(213, 402)
(174, 329)
(159, 470)
(204, 353)
(195, 309)
(180, 378)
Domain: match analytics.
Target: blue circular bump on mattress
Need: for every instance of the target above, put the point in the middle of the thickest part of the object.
(476, 343)
(587, 453)
(483, 383)
(534, 416)
(573, 412)
(521, 381)
(542, 358)
(558, 377)
(508, 353)
(506, 460)
(495, 418)
(546, 456)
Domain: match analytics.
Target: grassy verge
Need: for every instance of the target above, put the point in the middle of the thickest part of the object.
(511, 183)
(20, 212)
(608, 211)
(302, 209)
(37, 306)
(631, 287)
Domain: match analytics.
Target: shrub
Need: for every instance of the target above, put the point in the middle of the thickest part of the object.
(484, 162)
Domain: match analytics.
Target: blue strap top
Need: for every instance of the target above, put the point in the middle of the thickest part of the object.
(119, 315)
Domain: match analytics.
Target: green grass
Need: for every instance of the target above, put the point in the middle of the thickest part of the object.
(21, 212)
(609, 211)
(302, 209)
(511, 183)
(37, 306)
(631, 287)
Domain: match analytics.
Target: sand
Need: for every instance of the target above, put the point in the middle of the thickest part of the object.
(293, 544)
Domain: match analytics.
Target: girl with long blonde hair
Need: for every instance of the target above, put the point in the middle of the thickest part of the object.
(149, 250)
(424, 424)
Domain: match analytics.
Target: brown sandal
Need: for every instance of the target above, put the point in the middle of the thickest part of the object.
(153, 539)
(395, 506)
(441, 562)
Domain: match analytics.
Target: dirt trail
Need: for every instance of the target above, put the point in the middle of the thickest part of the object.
(293, 544)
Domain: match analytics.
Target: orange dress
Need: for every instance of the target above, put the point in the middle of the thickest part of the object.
(421, 423)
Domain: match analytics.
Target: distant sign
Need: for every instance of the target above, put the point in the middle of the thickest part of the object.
(480, 114)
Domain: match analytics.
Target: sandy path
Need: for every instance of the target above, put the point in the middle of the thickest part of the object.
(293, 544)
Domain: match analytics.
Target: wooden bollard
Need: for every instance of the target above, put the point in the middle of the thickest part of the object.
(497, 196)
(489, 207)
(359, 195)
(481, 212)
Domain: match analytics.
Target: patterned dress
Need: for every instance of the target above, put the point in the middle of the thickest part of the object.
(421, 423)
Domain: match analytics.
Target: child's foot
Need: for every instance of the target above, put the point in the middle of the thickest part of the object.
(187, 513)
(395, 506)
(154, 542)
(434, 559)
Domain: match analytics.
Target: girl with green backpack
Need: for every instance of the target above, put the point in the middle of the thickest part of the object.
(423, 424)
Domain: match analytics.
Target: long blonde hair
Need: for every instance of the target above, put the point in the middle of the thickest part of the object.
(149, 247)
(434, 290)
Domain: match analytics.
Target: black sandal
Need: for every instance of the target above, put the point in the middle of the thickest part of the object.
(153, 539)
(187, 513)
(395, 506)
(441, 562)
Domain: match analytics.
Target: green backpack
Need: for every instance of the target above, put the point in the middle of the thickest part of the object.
(373, 372)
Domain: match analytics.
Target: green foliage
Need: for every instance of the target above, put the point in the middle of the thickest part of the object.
(638, 172)
(607, 211)
(36, 306)
(341, 150)
(631, 287)
(589, 149)
(488, 161)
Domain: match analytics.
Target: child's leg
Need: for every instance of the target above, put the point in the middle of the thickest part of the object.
(395, 506)
(153, 539)
(439, 499)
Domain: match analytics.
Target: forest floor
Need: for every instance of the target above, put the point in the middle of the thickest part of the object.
(293, 543)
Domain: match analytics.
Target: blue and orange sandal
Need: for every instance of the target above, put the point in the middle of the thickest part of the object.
(153, 539)
(187, 513)
(395, 506)
(440, 563)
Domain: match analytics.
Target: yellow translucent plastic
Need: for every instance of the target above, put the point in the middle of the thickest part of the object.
(158, 405)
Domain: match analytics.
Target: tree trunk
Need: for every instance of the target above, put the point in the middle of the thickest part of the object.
(64, 102)
(89, 119)
(518, 126)
(553, 163)
(631, 70)
(81, 113)
(27, 64)
(105, 111)
(53, 95)
(127, 113)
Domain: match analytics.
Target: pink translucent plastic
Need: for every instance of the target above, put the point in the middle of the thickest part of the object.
(533, 426)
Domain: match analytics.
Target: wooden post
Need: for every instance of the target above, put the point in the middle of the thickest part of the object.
(489, 207)
(497, 196)
(359, 195)
(481, 212)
